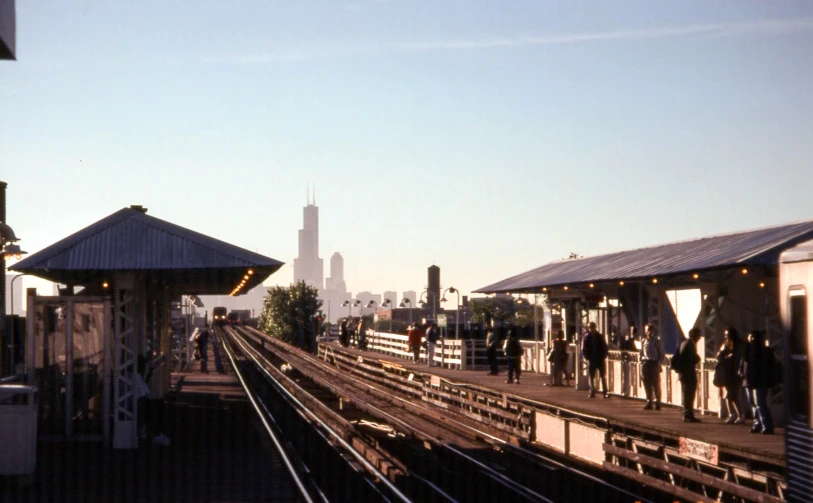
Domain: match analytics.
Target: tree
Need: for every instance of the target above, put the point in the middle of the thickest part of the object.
(291, 314)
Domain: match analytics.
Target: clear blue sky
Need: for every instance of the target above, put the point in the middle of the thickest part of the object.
(485, 137)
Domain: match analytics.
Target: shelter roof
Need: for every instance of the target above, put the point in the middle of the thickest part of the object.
(754, 247)
(129, 240)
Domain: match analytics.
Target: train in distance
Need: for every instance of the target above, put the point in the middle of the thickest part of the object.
(219, 315)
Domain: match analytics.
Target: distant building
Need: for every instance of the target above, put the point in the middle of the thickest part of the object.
(308, 267)
(336, 280)
(16, 293)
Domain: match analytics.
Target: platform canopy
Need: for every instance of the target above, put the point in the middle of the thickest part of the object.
(748, 248)
(129, 240)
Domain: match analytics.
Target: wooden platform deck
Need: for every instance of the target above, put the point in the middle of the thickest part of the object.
(619, 411)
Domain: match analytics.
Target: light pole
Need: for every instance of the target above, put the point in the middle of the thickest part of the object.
(11, 345)
(405, 303)
(350, 306)
(388, 302)
(452, 289)
(371, 305)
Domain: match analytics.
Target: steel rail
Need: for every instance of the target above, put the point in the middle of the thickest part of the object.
(496, 440)
(254, 402)
(361, 459)
(488, 471)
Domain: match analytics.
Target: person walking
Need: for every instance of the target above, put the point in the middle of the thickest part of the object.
(728, 360)
(203, 342)
(687, 363)
(513, 354)
(650, 358)
(492, 344)
(595, 351)
(758, 370)
(414, 338)
(431, 339)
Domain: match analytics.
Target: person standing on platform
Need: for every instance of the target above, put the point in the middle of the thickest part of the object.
(687, 363)
(758, 370)
(361, 331)
(650, 358)
(203, 342)
(729, 359)
(414, 338)
(595, 351)
(558, 359)
(344, 334)
(513, 354)
(431, 339)
(492, 344)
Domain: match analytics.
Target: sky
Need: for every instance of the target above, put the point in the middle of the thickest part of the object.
(485, 137)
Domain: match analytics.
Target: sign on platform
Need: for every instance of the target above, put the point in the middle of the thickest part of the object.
(434, 381)
(442, 320)
(701, 451)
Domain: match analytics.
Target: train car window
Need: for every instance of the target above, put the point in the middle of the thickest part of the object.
(799, 346)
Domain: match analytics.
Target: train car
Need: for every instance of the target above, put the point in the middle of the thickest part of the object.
(219, 316)
(233, 318)
(796, 302)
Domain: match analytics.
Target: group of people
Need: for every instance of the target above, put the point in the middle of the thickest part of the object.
(417, 335)
(511, 348)
(751, 365)
(353, 332)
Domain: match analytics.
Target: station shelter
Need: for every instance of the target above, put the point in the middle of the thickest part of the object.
(121, 276)
(712, 283)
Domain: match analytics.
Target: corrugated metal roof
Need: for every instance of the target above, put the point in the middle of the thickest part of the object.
(131, 240)
(755, 247)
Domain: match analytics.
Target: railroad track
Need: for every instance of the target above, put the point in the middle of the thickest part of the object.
(429, 454)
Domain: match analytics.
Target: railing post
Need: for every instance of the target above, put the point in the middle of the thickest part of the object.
(464, 354)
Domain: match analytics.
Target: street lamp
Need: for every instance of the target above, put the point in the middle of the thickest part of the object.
(452, 289)
(405, 303)
(350, 306)
(388, 302)
(11, 345)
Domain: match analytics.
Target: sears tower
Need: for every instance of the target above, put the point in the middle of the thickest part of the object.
(308, 267)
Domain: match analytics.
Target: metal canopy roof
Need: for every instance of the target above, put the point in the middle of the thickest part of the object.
(129, 240)
(755, 247)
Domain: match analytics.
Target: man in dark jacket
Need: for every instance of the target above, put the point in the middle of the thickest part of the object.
(758, 372)
(689, 359)
(595, 351)
(492, 344)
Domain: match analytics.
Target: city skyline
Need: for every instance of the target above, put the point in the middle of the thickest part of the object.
(485, 140)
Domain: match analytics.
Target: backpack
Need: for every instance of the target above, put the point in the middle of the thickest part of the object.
(674, 363)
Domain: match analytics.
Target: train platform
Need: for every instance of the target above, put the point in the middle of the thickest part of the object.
(620, 412)
(215, 453)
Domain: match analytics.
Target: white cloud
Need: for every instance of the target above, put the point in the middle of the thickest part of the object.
(345, 49)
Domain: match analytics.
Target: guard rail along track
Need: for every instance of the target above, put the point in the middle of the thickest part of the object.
(411, 438)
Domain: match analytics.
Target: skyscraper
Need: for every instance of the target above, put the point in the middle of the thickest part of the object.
(336, 279)
(308, 267)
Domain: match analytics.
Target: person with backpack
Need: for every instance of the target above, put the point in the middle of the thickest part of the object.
(558, 358)
(431, 339)
(685, 361)
(513, 355)
(595, 351)
(758, 370)
(650, 358)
